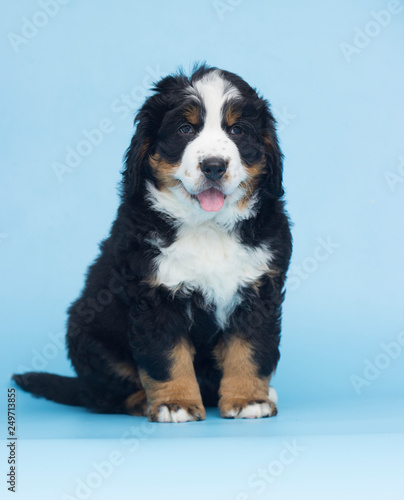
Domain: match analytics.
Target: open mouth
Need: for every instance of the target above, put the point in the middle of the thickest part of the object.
(211, 200)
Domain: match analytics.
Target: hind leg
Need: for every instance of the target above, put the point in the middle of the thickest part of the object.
(107, 384)
(136, 403)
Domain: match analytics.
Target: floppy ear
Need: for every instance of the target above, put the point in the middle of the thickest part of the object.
(273, 155)
(136, 154)
(148, 121)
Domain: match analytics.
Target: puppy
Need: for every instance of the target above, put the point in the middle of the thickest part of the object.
(182, 308)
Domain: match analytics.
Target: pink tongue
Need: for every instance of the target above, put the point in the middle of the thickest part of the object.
(211, 200)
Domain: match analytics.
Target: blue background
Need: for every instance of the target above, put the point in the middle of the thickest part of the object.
(341, 130)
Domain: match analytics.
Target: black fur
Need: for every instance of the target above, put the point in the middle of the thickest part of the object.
(120, 319)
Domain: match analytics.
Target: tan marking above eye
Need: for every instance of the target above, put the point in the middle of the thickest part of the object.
(192, 114)
(231, 116)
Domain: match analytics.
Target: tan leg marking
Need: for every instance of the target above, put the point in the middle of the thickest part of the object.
(243, 394)
(177, 399)
(231, 116)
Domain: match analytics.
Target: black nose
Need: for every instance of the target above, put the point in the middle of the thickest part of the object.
(213, 168)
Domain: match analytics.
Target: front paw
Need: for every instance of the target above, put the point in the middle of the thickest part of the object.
(247, 408)
(178, 411)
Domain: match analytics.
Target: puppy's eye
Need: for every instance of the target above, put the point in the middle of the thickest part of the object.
(186, 130)
(236, 130)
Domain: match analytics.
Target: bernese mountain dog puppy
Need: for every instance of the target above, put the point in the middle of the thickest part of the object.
(182, 308)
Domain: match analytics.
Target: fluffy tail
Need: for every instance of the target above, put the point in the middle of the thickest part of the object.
(64, 390)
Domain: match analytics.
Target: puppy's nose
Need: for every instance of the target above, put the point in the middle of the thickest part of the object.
(213, 168)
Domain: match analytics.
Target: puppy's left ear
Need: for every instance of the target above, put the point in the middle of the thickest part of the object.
(273, 155)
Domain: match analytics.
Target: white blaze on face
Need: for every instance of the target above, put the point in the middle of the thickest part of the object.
(212, 140)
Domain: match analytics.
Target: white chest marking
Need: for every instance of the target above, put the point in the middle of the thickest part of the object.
(213, 261)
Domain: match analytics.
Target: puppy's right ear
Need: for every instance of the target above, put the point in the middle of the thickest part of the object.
(136, 155)
(148, 121)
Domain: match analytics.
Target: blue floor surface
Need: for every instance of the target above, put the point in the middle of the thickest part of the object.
(350, 449)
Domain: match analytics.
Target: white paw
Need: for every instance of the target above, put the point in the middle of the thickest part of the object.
(166, 414)
(256, 410)
(253, 410)
(272, 395)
